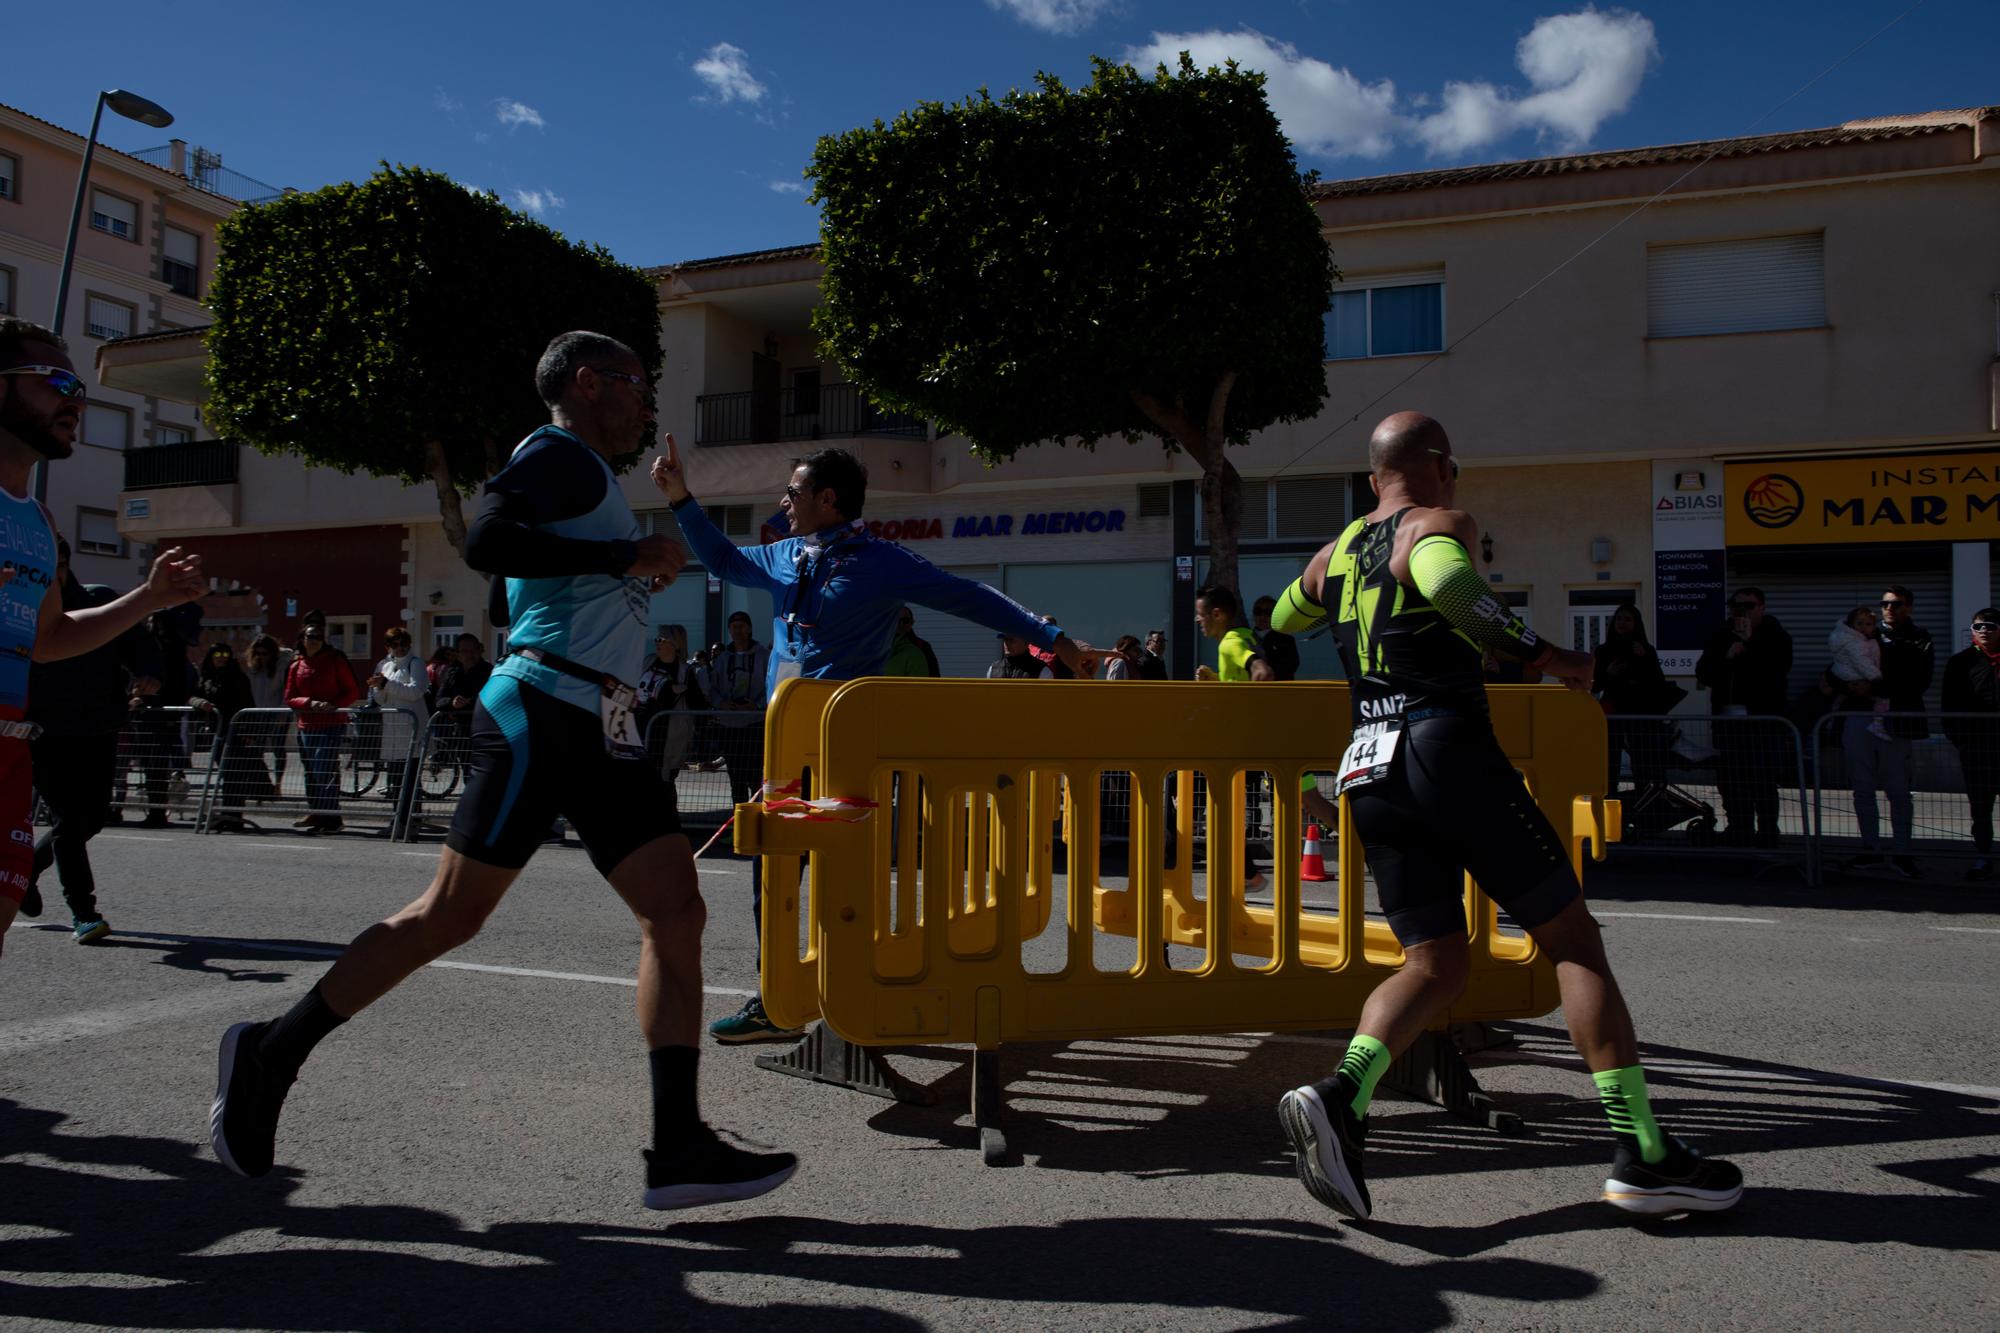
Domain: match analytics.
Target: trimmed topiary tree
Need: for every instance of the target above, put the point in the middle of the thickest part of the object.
(1135, 257)
(392, 327)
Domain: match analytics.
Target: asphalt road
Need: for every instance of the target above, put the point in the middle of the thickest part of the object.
(466, 1152)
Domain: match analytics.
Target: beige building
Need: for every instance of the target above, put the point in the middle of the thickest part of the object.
(1626, 347)
(144, 255)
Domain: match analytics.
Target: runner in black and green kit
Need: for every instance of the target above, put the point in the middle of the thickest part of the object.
(1433, 796)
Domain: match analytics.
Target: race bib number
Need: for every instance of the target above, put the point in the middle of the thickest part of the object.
(621, 728)
(1368, 755)
(787, 671)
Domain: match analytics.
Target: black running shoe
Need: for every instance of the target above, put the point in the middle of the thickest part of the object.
(1683, 1181)
(1328, 1144)
(31, 901)
(706, 1170)
(243, 1122)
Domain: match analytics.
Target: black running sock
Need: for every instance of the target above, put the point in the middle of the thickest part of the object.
(676, 1109)
(290, 1038)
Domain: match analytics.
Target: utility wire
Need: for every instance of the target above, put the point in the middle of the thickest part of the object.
(1592, 244)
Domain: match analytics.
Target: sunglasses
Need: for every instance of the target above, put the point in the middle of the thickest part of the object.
(65, 382)
(317, 638)
(1892, 601)
(1984, 627)
(1449, 458)
(638, 381)
(1743, 606)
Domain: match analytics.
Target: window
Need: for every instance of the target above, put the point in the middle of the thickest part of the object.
(1755, 286)
(805, 392)
(97, 533)
(1590, 615)
(107, 427)
(446, 626)
(180, 262)
(165, 434)
(350, 635)
(10, 176)
(106, 318)
(109, 213)
(6, 291)
(1386, 317)
(1287, 509)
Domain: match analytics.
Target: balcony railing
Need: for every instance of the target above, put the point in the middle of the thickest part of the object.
(770, 416)
(202, 463)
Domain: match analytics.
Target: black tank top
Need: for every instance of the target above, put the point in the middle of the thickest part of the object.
(1401, 655)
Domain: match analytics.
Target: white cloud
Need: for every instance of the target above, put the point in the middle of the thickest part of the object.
(788, 187)
(1062, 17)
(515, 114)
(445, 102)
(537, 202)
(726, 71)
(1582, 69)
(1323, 110)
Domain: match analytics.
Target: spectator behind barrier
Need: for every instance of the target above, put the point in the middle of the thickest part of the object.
(1744, 666)
(1972, 685)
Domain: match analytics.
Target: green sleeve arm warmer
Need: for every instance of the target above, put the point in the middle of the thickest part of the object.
(1296, 611)
(1444, 574)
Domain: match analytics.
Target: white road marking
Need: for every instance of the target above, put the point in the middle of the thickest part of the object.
(134, 837)
(1677, 916)
(34, 1033)
(1970, 930)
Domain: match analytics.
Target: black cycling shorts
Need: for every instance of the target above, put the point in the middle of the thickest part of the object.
(1453, 803)
(534, 757)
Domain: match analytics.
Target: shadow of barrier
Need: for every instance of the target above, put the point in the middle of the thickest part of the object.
(916, 892)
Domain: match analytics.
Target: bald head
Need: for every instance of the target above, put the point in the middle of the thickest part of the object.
(1405, 443)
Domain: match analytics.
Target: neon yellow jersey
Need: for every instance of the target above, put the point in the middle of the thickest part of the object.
(1233, 654)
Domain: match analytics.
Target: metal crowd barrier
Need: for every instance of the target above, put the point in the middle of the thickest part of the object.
(1722, 786)
(916, 925)
(261, 769)
(1905, 784)
(163, 765)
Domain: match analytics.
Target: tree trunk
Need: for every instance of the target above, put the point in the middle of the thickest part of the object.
(451, 505)
(1204, 439)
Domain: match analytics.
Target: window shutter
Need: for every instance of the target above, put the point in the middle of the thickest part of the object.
(107, 319)
(97, 532)
(1773, 282)
(183, 247)
(1311, 507)
(109, 213)
(1156, 500)
(106, 426)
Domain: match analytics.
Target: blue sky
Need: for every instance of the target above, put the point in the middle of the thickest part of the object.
(678, 129)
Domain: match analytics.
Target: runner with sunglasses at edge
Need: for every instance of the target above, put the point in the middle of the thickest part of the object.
(837, 592)
(551, 734)
(41, 415)
(1433, 796)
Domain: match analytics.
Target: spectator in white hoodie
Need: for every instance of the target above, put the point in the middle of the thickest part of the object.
(1857, 658)
(400, 682)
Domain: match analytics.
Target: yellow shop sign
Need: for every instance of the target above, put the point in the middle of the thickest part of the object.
(1905, 498)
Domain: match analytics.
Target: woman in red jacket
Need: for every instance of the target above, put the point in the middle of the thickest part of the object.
(318, 685)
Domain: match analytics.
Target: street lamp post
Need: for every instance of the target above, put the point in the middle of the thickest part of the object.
(132, 107)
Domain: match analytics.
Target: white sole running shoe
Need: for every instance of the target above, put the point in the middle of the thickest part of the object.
(1329, 1161)
(1684, 1182)
(710, 1171)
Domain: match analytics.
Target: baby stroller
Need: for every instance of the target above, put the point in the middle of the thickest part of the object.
(1655, 805)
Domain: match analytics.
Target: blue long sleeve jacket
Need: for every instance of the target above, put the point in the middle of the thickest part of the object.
(836, 600)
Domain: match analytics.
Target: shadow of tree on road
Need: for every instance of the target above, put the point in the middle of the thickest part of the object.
(138, 1231)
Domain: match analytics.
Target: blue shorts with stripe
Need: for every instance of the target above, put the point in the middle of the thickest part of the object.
(533, 758)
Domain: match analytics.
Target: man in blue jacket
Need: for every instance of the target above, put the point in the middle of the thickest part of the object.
(837, 593)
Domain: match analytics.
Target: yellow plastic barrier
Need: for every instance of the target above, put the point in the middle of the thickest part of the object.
(891, 957)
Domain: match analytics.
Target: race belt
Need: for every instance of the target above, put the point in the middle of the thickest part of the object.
(20, 731)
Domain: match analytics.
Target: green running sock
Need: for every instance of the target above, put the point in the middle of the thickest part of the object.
(1629, 1109)
(1364, 1064)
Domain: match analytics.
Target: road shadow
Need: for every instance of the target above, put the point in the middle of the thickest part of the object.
(208, 953)
(1164, 1107)
(1747, 880)
(123, 1230)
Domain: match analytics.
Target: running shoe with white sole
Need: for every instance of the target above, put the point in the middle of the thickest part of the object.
(707, 1170)
(751, 1024)
(1683, 1181)
(89, 929)
(243, 1120)
(1329, 1147)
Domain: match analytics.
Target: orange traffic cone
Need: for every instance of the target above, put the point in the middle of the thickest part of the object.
(1312, 866)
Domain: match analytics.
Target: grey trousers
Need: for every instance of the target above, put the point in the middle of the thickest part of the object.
(1874, 764)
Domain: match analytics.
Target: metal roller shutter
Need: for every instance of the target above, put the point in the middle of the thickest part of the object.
(962, 648)
(1770, 282)
(1808, 605)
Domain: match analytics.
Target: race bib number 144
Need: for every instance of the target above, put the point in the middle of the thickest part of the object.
(1368, 755)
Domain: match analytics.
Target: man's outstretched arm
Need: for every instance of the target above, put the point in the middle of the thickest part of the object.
(174, 578)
